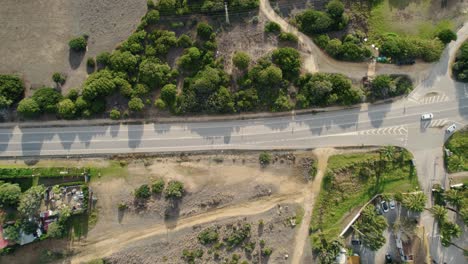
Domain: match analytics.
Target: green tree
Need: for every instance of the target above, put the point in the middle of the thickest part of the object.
(103, 58)
(246, 100)
(334, 48)
(91, 63)
(66, 109)
(382, 86)
(154, 74)
(167, 6)
(143, 192)
(335, 9)
(282, 103)
(169, 94)
(123, 61)
(58, 78)
(174, 189)
(78, 43)
(272, 27)
(448, 231)
(370, 227)
(454, 198)
(73, 94)
(136, 104)
(241, 60)
(184, 41)
(47, 98)
(159, 104)
(264, 158)
(204, 31)
(30, 201)
(439, 213)
(190, 58)
(447, 35)
(9, 194)
(28, 107)
(11, 89)
(152, 17)
(414, 201)
(289, 61)
(55, 230)
(221, 101)
(99, 84)
(158, 186)
(11, 233)
(114, 114)
(312, 22)
(208, 236)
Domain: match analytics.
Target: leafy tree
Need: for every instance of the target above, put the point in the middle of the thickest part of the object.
(9, 193)
(184, 41)
(143, 192)
(204, 31)
(454, 198)
(91, 63)
(28, 107)
(241, 60)
(81, 104)
(103, 58)
(136, 104)
(382, 86)
(158, 186)
(174, 189)
(124, 87)
(58, 78)
(414, 201)
(322, 41)
(221, 101)
(160, 104)
(30, 201)
(55, 230)
(460, 67)
(370, 227)
(11, 89)
(208, 236)
(448, 231)
(289, 61)
(78, 43)
(246, 100)
(47, 98)
(282, 103)
(154, 74)
(334, 48)
(11, 233)
(325, 249)
(447, 35)
(73, 94)
(99, 84)
(163, 41)
(123, 61)
(140, 90)
(265, 158)
(312, 22)
(152, 17)
(272, 27)
(66, 109)
(169, 94)
(167, 6)
(114, 114)
(335, 8)
(285, 36)
(190, 58)
(135, 43)
(439, 213)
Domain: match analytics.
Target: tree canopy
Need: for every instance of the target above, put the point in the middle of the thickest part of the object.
(9, 193)
(11, 89)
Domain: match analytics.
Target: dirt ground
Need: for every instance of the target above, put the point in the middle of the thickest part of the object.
(35, 35)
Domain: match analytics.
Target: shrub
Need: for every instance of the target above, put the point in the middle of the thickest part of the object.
(204, 31)
(99, 84)
(264, 158)
(237, 236)
(184, 41)
(447, 35)
(136, 104)
(241, 60)
(175, 189)
(150, 4)
(123, 61)
(143, 192)
(152, 17)
(47, 98)
(66, 109)
(11, 90)
(313, 22)
(103, 58)
(122, 206)
(272, 27)
(9, 194)
(208, 236)
(153, 73)
(284, 36)
(335, 8)
(73, 94)
(158, 186)
(289, 61)
(114, 114)
(78, 43)
(91, 62)
(460, 67)
(169, 94)
(28, 107)
(267, 251)
(58, 78)
(159, 104)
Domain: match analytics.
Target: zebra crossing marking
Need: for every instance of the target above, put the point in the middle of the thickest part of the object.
(438, 123)
(396, 130)
(433, 99)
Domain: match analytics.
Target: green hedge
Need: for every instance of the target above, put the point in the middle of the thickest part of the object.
(10, 173)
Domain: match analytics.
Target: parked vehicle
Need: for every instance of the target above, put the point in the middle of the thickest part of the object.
(384, 206)
(378, 209)
(451, 128)
(388, 258)
(427, 116)
(392, 204)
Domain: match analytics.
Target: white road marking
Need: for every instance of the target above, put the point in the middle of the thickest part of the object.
(395, 130)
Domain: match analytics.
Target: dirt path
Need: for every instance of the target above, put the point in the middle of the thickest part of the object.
(104, 247)
(312, 191)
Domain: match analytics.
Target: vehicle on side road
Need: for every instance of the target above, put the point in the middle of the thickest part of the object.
(451, 128)
(384, 206)
(427, 116)
(392, 204)
(388, 258)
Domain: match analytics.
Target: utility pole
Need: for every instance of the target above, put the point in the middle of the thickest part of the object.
(227, 13)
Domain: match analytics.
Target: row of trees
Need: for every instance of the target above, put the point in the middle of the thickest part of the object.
(350, 48)
(180, 7)
(460, 67)
(402, 48)
(385, 86)
(313, 21)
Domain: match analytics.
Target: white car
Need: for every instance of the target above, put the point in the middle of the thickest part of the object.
(392, 204)
(451, 128)
(427, 116)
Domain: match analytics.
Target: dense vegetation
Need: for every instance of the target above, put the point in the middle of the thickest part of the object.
(11, 90)
(457, 160)
(460, 67)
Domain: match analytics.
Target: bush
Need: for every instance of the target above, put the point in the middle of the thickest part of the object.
(103, 59)
(284, 36)
(289, 61)
(58, 78)
(272, 27)
(241, 60)
(267, 251)
(123, 61)
(152, 17)
(91, 62)
(313, 22)
(169, 94)
(114, 114)
(158, 186)
(265, 158)
(73, 94)
(159, 104)
(66, 109)
(208, 236)
(204, 31)
(99, 84)
(28, 107)
(9, 194)
(175, 189)
(47, 98)
(153, 73)
(460, 67)
(447, 35)
(136, 104)
(143, 192)
(335, 9)
(11, 90)
(78, 43)
(122, 206)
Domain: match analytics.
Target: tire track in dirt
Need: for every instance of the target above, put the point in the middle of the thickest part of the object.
(312, 191)
(103, 247)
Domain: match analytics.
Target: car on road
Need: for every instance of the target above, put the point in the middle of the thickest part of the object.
(427, 116)
(392, 204)
(378, 209)
(451, 128)
(388, 258)
(384, 206)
